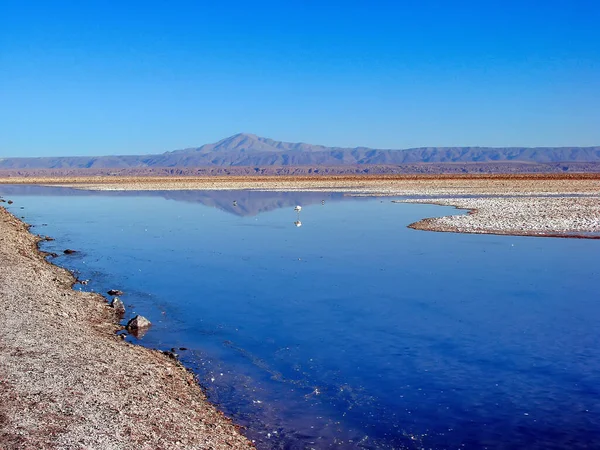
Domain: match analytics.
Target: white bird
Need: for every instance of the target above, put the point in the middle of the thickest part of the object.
(298, 223)
(298, 208)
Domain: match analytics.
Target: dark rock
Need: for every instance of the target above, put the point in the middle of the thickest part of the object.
(171, 355)
(138, 326)
(47, 238)
(118, 306)
(2, 200)
(115, 292)
(10, 202)
(52, 255)
(69, 251)
(138, 323)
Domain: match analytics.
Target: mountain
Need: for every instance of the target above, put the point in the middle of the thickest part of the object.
(248, 150)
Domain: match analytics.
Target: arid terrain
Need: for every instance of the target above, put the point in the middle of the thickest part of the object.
(524, 216)
(415, 168)
(67, 381)
(447, 184)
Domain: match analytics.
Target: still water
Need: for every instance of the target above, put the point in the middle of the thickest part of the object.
(350, 331)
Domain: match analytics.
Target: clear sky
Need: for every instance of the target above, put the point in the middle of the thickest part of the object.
(128, 77)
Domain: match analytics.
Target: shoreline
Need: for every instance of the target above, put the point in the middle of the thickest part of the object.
(67, 380)
(385, 185)
(556, 217)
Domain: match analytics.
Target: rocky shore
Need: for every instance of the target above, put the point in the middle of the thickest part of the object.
(525, 216)
(67, 381)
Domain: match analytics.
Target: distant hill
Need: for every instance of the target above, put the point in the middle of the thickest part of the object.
(248, 150)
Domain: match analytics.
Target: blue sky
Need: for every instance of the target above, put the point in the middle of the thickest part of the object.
(129, 77)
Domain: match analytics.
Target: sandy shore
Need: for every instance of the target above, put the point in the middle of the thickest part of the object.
(68, 382)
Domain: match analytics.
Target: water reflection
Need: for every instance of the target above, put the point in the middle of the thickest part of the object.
(298, 208)
(239, 203)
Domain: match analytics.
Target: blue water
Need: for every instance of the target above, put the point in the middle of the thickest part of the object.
(351, 331)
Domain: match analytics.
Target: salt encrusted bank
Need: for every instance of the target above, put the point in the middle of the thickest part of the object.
(527, 216)
(68, 382)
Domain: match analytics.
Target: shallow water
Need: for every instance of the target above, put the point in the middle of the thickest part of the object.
(351, 331)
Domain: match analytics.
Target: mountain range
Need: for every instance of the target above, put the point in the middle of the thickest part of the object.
(248, 150)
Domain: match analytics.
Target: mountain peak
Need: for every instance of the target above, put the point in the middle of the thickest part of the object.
(244, 135)
(241, 142)
(239, 137)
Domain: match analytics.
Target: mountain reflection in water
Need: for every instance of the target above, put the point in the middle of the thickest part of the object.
(240, 203)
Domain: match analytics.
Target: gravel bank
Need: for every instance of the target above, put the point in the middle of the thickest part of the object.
(526, 216)
(447, 185)
(66, 380)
